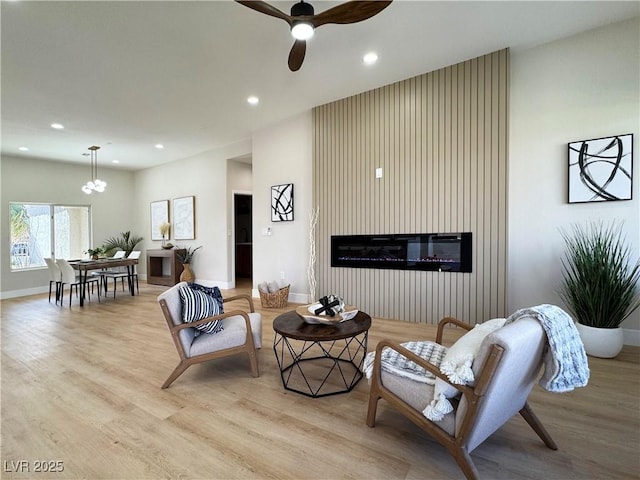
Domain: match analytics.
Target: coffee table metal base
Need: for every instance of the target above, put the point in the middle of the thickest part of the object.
(320, 368)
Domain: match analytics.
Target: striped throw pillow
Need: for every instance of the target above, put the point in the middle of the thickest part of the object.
(212, 291)
(197, 305)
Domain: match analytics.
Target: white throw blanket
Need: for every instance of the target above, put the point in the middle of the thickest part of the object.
(565, 362)
(393, 362)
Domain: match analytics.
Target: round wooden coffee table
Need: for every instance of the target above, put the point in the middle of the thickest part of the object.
(320, 360)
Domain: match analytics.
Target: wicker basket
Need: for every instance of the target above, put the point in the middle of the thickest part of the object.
(277, 299)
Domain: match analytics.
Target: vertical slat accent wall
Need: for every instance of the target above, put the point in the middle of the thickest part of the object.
(441, 140)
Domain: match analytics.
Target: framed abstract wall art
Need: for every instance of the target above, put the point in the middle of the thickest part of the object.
(282, 203)
(601, 169)
(159, 215)
(184, 227)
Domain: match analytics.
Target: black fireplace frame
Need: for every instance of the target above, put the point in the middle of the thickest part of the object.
(440, 252)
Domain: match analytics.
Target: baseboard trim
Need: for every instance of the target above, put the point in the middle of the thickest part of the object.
(293, 297)
(23, 293)
(631, 337)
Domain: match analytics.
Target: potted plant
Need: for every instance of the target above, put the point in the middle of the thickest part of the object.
(125, 241)
(185, 255)
(95, 253)
(599, 285)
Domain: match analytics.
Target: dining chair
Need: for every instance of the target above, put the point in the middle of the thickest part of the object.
(100, 273)
(123, 274)
(69, 277)
(54, 276)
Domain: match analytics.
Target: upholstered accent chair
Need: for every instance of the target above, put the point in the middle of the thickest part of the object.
(241, 333)
(506, 368)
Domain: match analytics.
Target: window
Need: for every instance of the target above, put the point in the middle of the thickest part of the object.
(41, 230)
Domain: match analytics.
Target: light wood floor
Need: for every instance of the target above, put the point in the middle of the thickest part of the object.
(82, 386)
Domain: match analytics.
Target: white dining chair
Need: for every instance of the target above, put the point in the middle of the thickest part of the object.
(54, 276)
(124, 274)
(69, 277)
(119, 254)
(100, 273)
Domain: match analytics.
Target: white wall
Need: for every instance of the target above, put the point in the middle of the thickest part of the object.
(586, 86)
(205, 177)
(31, 180)
(283, 154)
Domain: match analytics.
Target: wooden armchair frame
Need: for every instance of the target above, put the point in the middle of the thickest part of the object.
(456, 445)
(185, 362)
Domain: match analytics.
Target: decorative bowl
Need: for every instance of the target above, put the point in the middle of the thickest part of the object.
(308, 315)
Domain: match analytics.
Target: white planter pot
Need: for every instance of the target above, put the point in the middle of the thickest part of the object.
(601, 342)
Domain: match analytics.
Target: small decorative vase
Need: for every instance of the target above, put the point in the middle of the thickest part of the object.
(601, 342)
(187, 274)
(94, 256)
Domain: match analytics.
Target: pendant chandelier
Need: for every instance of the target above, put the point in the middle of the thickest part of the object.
(94, 184)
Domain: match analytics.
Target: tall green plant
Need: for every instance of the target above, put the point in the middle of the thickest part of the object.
(600, 282)
(125, 241)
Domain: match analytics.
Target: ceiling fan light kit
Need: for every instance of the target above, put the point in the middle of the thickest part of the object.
(302, 31)
(303, 20)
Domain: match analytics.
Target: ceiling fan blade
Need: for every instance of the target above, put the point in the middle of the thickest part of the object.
(296, 55)
(264, 7)
(350, 12)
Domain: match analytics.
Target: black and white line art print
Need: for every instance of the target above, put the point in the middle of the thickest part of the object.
(282, 203)
(601, 169)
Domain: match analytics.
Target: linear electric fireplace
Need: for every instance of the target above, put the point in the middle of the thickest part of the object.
(440, 252)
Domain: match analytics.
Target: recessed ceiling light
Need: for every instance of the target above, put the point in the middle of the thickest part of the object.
(159, 146)
(253, 100)
(23, 149)
(115, 161)
(57, 126)
(370, 58)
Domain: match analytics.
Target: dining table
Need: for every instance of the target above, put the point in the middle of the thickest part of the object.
(85, 266)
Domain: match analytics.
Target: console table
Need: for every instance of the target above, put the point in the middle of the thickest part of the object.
(163, 267)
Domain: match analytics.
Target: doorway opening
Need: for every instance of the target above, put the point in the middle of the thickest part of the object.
(243, 245)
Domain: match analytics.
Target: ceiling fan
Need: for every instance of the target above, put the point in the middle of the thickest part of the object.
(303, 21)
